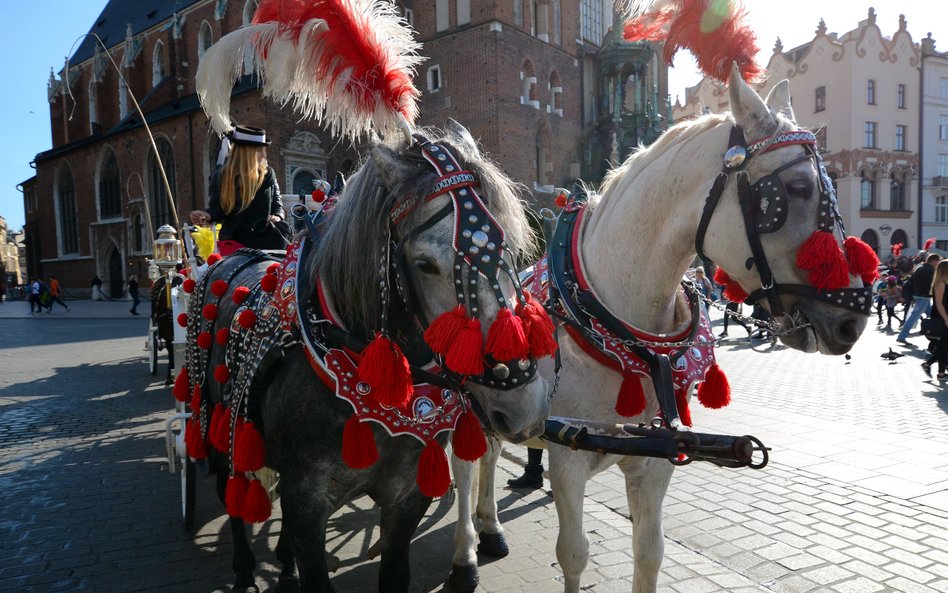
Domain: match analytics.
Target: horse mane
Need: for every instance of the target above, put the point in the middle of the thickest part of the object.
(357, 231)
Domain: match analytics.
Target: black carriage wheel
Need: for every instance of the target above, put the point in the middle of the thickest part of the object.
(188, 479)
(153, 352)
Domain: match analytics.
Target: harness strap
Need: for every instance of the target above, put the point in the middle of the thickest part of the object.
(748, 210)
(717, 189)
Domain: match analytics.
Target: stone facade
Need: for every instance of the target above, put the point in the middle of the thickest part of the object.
(934, 149)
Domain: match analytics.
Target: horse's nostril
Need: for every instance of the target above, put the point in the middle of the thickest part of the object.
(500, 422)
(848, 332)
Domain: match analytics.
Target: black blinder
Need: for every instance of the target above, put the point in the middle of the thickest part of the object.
(770, 196)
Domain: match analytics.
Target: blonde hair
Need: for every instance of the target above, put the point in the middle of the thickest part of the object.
(941, 273)
(242, 164)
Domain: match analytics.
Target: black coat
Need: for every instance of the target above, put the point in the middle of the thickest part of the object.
(250, 227)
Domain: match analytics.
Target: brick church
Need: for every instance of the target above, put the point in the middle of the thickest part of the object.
(546, 86)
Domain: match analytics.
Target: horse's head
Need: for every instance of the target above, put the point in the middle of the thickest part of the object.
(439, 230)
(776, 230)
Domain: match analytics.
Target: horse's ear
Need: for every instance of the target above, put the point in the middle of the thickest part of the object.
(462, 138)
(391, 166)
(749, 110)
(339, 183)
(778, 99)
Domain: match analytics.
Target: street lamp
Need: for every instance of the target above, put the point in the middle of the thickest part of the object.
(166, 253)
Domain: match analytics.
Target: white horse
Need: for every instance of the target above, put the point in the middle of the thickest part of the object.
(634, 247)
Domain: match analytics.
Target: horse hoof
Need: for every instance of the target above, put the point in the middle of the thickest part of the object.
(493, 544)
(463, 579)
(332, 562)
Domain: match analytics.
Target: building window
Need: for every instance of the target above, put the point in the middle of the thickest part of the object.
(896, 192)
(871, 239)
(943, 88)
(158, 64)
(518, 12)
(870, 92)
(409, 16)
(110, 188)
(821, 142)
(123, 98)
(556, 94)
(528, 91)
(590, 16)
(556, 21)
(464, 12)
(160, 205)
(250, 7)
(434, 79)
(867, 193)
(93, 108)
(442, 18)
(138, 233)
(820, 98)
(900, 137)
(943, 127)
(943, 165)
(205, 40)
(540, 26)
(870, 139)
(66, 200)
(900, 96)
(941, 209)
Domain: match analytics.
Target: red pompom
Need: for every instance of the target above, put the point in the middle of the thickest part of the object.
(684, 411)
(433, 477)
(863, 261)
(385, 368)
(715, 391)
(256, 507)
(240, 294)
(249, 452)
(631, 399)
(358, 444)
(505, 339)
(219, 288)
(733, 291)
(247, 318)
(272, 268)
(268, 283)
(222, 335)
(235, 494)
(194, 440)
(465, 356)
(468, 440)
(182, 385)
(821, 256)
(209, 311)
(444, 329)
(183, 320)
(538, 328)
(560, 200)
(221, 373)
(318, 196)
(219, 432)
(204, 340)
(188, 285)
(213, 259)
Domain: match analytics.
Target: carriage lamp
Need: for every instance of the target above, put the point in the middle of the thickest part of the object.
(166, 251)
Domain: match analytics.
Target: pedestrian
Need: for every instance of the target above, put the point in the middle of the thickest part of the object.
(96, 288)
(921, 295)
(55, 292)
(762, 320)
(532, 477)
(245, 196)
(35, 306)
(940, 300)
(879, 298)
(3, 289)
(704, 289)
(892, 294)
(133, 293)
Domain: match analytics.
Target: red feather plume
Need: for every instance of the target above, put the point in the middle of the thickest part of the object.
(929, 243)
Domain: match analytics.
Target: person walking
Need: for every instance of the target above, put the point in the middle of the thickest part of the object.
(940, 298)
(245, 197)
(96, 288)
(921, 280)
(55, 292)
(35, 296)
(133, 292)
(532, 477)
(892, 293)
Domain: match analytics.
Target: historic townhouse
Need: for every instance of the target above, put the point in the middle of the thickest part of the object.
(934, 150)
(860, 93)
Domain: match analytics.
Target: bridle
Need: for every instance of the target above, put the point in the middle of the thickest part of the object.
(764, 208)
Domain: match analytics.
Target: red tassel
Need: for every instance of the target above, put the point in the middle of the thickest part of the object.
(466, 354)
(209, 311)
(247, 318)
(538, 328)
(183, 320)
(193, 439)
(733, 291)
(631, 399)
(863, 261)
(385, 368)
(268, 283)
(221, 373)
(272, 268)
(358, 444)
(188, 285)
(715, 392)
(196, 399)
(204, 340)
(433, 477)
(444, 329)
(240, 294)
(505, 339)
(213, 259)
(821, 256)
(468, 440)
(219, 432)
(222, 335)
(256, 507)
(249, 453)
(182, 385)
(219, 288)
(235, 494)
(684, 411)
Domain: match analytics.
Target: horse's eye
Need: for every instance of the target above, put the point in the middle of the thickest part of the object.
(427, 267)
(800, 189)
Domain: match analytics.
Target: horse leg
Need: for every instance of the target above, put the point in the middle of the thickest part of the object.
(569, 471)
(492, 539)
(244, 561)
(305, 515)
(646, 482)
(284, 552)
(398, 524)
(463, 577)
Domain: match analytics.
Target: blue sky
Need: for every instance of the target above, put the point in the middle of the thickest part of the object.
(40, 33)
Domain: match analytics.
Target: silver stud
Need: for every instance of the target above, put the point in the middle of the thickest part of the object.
(462, 192)
(472, 219)
(479, 238)
(485, 228)
(466, 234)
(363, 388)
(491, 246)
(485, 259)
(473, 250)
(468, 205)
(735, 157)
(449, 168)
(441, 157)
(523, 364)
(501, 371)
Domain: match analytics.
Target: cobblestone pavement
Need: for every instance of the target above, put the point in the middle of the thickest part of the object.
(855, 498)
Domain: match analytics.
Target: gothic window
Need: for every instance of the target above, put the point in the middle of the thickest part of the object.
(93, 108)
(205, 39)
(250, 7)
(871, 239)
(556, 94)
(518, 12)
(138, 234)
(528, 92)
(434, 79)
(123, 98)
(158, 64)
(556, 36)
(110, 190)
(867, 192)
(160, 205)
(464, 12)
(66, 202)
(896, 192)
